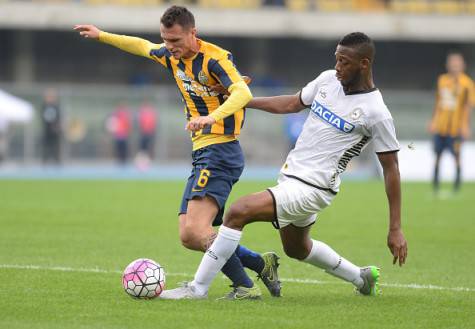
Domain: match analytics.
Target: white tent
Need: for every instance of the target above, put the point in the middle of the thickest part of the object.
(14, 109)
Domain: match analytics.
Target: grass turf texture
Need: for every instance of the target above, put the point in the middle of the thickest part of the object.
(105, 225)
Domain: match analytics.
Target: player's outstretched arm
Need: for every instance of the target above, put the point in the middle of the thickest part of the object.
(133, 45)
(396, 242)
(278, 104)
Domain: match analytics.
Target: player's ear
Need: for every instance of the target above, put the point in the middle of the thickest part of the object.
(365, 63)
(193, 31)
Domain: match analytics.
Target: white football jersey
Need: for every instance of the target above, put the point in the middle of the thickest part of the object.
(338, 127)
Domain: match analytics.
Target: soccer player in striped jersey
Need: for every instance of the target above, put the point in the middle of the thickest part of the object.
(215, 124)
(450, 122)
(347, 112)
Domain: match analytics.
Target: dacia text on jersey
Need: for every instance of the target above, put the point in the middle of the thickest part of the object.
(330, 117)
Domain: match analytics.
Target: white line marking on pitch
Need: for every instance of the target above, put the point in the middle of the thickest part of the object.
(292, 280)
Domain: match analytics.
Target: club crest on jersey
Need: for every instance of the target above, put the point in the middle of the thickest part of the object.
(356, 114)
(330, 117)
(202, 78)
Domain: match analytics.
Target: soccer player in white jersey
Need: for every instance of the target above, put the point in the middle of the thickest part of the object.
(347, 112)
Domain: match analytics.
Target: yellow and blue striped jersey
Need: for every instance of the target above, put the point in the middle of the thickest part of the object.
(455, 96)
(193, 76)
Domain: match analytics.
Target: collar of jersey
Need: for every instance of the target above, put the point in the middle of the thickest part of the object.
(356, 92)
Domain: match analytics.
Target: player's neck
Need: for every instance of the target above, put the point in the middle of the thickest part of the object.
(194, 49)
(365, 84)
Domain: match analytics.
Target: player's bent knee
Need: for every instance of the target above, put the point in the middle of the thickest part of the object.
(191, 240)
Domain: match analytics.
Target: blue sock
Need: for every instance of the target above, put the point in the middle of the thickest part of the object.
(234, 270)
(250, 259)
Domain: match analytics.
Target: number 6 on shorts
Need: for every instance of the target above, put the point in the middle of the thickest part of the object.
(203, 179)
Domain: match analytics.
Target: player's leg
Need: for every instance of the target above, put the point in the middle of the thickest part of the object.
(217, 168)
(438, 148)
(266, 265)
(255, 207)
(456, 146)
(297, 206)
(196, 233)
(298, 244)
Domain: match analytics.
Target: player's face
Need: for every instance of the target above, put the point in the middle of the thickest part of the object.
(178, 40)
(455, 64)
(348, 66)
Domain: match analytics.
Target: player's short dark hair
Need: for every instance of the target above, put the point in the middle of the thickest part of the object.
(361, 42)
(178, 15)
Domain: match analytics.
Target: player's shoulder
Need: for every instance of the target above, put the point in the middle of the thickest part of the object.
(375, 108)
(328, 75)
(324, 77)
(213, 51)
(159, 50)
(466, 80)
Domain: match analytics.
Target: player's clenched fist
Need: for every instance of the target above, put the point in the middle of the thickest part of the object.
(199, 123)
(88, 31)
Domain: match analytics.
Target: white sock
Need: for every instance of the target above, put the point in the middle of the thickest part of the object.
(215, 257)
(326, 258)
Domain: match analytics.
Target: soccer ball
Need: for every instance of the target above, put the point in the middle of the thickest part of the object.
(143, 278)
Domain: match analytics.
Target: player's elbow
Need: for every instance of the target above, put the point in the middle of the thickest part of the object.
(242, 92)
(247, 95)
(292, 109)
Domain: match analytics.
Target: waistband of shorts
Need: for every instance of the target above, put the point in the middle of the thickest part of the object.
(310, 184)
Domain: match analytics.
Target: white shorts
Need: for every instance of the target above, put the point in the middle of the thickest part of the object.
(298, 203)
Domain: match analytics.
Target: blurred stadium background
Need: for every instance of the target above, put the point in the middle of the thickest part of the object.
(281, 44)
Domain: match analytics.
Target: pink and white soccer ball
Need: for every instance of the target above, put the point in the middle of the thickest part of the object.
(143, 278)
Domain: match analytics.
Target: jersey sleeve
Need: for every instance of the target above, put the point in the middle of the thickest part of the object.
(224, 71)
(308, 93)
(384, 138)
(159, 53)
(133, 45)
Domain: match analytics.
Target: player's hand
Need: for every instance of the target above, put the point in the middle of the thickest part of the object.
(199, 123)
(398, 246)
(218, 88)
(88, 31)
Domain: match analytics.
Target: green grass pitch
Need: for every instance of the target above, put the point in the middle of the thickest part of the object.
(63, 245)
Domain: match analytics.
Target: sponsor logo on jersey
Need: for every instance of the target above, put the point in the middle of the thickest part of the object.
(330, 117)
(182, 76)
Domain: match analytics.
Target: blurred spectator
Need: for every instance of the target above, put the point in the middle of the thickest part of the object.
(147, 121)
(147, 125)
(51, 119)
(119, 125)
(293, 124)
(450, 122)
